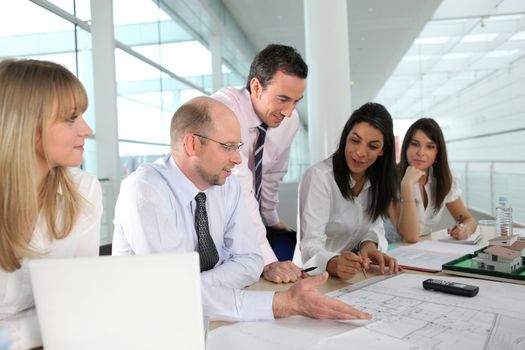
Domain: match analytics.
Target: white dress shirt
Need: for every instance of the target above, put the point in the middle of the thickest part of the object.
(17, 310)
(329, 223)
(428, 218)
(276, 154)
(155, 213)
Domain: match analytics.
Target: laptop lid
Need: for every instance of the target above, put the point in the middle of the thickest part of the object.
(119, 302)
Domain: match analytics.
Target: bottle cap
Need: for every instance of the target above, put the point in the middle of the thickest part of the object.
(503, 199)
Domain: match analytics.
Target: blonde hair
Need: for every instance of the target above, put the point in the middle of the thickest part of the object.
(33, 94)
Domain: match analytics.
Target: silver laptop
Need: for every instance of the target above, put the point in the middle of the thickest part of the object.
(123, 302)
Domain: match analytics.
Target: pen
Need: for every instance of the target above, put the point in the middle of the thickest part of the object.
(309, 269)
(362, 267)
(458, 222)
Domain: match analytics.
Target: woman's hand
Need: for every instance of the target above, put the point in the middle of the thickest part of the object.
(458, 232)
(345, 266)
(412, 176)
(369, 251)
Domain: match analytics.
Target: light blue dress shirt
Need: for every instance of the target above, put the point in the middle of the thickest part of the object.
(155, 214)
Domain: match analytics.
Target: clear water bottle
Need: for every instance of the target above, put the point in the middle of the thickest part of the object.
(503, 218)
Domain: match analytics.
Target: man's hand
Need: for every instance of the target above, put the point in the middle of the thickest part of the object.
(280, 226)
(304, 299)
(281, 272)
(369, 252)
(345, 266)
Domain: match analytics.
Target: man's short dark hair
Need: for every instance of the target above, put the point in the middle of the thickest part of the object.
(273, 58)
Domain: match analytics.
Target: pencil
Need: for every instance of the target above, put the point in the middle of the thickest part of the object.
(362, 267)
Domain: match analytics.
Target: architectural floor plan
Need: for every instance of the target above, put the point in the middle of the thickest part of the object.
(406, 316)
(403, 310)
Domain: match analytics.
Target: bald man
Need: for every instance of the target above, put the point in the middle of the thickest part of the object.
(160, 209)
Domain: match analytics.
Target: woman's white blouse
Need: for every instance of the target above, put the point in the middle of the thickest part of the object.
(429, 217)
(17, 311)
(329, 223)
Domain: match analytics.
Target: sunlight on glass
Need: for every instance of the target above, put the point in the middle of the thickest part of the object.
(225, 69)
(130, 68)
(137, 121)
(24, 17)
(150, 51)
(186, 95)
(137, 11)
(188, 58)
(83, 9)
(66, 5)
(66, 59)
(127, 149)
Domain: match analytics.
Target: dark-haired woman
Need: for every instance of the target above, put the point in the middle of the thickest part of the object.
(343, 198)
(427, 187)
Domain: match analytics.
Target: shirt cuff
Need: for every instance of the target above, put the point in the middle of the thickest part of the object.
(381, 242)
(320, 260)
(257, 305)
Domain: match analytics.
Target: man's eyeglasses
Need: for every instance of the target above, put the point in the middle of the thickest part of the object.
(228, 147)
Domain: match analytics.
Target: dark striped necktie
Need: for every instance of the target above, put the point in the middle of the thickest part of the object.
(208, 255)
(258, 157)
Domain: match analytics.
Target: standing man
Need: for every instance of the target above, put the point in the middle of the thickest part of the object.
(188, 201)
(266, 112)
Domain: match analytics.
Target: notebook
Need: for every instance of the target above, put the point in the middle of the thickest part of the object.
(471, 239)
(125, 302)
(428, 255)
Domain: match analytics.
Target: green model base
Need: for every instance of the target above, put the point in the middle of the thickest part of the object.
(463, 266)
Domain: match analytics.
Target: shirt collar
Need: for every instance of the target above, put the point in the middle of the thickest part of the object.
(252, 119)
(353, 182)
(179, 184)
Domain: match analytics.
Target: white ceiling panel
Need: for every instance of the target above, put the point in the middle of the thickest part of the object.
(483, 36)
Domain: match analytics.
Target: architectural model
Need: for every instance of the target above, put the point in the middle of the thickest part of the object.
(504, 254)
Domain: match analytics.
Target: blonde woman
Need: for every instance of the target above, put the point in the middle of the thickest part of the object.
(46, 208)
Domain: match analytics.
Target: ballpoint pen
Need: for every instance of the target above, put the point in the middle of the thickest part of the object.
(458, 222)
(309, 269)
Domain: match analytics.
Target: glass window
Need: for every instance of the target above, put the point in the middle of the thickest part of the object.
(40, 34)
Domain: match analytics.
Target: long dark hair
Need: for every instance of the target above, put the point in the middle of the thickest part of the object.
(382, 174)
(440, 168)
